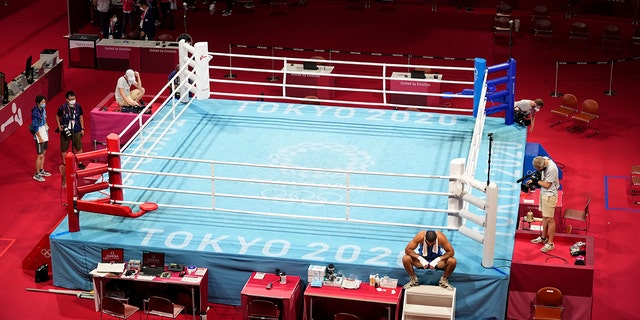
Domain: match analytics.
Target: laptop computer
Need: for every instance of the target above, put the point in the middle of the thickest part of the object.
(309, 65)
(418, 74)
(112, 261)
(152, 263)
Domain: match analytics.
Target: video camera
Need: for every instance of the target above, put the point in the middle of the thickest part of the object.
(532, 183)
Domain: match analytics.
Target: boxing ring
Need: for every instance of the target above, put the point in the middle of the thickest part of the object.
(254, 185)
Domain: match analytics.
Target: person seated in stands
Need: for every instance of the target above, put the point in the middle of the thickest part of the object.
(125, 97)
(112, 29)
(524, 111)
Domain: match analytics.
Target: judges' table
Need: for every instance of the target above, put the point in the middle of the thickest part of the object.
(297, 75)
(366, 301)
(17, 112)
(287, 296)
(140, 287)
(145, 56)
(402, 81)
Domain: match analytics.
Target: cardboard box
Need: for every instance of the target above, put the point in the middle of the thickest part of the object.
(316, 273)
(49, 57)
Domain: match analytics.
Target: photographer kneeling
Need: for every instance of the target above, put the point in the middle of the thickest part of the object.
(70, 125)
(524, 112)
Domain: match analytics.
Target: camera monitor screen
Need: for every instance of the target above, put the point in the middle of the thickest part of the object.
(152, 259)
(28, 71)
(310, 66)
(417, 74)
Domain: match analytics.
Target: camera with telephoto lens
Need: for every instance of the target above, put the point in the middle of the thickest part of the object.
(66, 132)
(532, 182)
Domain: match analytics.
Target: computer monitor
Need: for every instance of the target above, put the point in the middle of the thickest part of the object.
(309, 65)
(113, 255)
(418, 74)
(152, 259)
(28, 70)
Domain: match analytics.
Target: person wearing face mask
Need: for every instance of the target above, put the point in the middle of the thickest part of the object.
(40, 136)
(112, 29)
(524, 111)
(70, 125)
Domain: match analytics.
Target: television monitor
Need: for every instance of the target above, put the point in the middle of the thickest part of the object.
(114, 255)
(418, 74)
(4, 89)
(309, 65)
(152, 259)
(28, 70)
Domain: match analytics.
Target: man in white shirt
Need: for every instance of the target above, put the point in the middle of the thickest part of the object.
(549, 186)
(124, 95)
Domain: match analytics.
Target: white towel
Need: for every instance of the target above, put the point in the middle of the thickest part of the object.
(435, 247)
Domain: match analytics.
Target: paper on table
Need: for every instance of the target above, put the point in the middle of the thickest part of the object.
(191, 279)
(535, 227)
(145, 278)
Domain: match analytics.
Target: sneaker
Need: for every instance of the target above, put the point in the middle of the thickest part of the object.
(226, 13)
(212, 8)
(539, 239)
(444, 283)
(547, 247)
(81, 166)
(38, 177)
(413, 281)
(44, 173)
(249, 5)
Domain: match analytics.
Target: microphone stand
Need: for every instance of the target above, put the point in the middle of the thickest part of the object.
(510, 37)
(187, 38)
(184, 7)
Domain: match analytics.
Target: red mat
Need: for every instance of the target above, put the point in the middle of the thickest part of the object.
(617, 195)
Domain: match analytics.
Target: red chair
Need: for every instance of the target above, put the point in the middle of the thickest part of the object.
(163, 307)
(548, 305)
(585, 117)
(263, 310)
(568, 106)
(579, 32)
(578, 215)
(611, 39)
(117, 308)
(345, 316)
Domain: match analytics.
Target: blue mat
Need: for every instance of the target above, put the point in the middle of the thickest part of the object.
(232, 244)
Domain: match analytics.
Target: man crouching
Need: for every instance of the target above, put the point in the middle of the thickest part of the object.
(434, 252)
